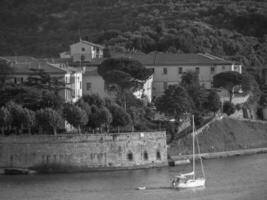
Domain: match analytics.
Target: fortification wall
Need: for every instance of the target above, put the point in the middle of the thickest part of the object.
(84, 152)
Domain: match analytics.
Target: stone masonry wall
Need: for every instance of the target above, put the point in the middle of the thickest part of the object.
(84, 151)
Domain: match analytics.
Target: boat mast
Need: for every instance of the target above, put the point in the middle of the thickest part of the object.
(193, 125)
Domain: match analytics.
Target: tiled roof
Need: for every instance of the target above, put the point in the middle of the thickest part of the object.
(20, 59)
(175, 59)
(90, 43)
(24, 64)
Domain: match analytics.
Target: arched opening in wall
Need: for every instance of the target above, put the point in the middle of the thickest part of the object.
(145, 155)
(130, 156)
(158, 155)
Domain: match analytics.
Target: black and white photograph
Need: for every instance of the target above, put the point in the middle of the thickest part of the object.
(133, 99)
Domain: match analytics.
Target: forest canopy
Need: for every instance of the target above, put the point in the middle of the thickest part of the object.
(230, 29)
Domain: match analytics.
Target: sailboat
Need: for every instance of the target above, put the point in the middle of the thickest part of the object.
(189, 180)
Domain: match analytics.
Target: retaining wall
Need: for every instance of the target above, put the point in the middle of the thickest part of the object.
(84, 152)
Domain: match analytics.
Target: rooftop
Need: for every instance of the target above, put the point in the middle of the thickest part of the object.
(157, 58)
(90, 43)
(24, 64)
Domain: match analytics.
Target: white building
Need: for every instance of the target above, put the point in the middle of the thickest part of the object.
(93, 83)
(72, 77)
(83, 51)
(168, 68)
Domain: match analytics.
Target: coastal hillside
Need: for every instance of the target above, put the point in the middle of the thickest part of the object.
(232, 29)
(224, 135)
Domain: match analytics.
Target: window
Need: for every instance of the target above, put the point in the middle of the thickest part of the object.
(83, 49)
(145, 155)
(88, 86)
(165, 85)
(21, 79)
(223, 67)
(212, 69)
(165, 70)
(158, 155)
(82, 57)
(80, 84)
(130, 156)
(15, 80)
(180, 70)
(197, 70)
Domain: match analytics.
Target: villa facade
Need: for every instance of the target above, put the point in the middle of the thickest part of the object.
(23, 68)
(168, 68)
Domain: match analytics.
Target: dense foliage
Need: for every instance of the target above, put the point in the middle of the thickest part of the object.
(123, 76)
(174, 102)
(221, 27)
(229, 81)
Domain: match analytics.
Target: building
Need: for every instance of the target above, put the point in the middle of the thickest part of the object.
(168, 68)
(145, 93)
(83, 51)
(72, 77)
(93, 83)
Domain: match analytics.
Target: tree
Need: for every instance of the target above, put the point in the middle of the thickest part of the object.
(104, 118)
(228, 108)
(49, 119)
(93, 99)
(174, 102)
(5, 72)
(190, 79)
(75, 115)
(5, 119)
(249, 83)
(214, 102)
(99, 117)
(120, 117)
(228, 80)
(29, 120)
(44, 81)
(50, 100)
(18, 116)
(123, 75)
(85, 107)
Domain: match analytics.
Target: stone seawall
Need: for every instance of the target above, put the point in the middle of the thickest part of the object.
(84, 152)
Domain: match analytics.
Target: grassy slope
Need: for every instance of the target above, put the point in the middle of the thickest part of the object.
(227, 134)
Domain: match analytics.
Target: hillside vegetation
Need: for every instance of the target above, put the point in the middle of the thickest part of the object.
(225, 135)
(234, 29)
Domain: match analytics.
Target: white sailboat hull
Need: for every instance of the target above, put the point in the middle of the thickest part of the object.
(192, 183)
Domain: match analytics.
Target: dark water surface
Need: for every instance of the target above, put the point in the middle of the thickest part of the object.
(231, 178)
